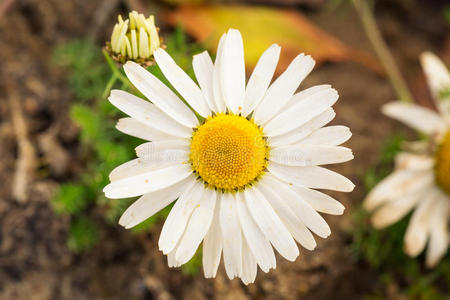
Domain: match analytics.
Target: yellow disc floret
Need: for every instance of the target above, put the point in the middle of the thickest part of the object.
(228, 152)
(442, 164)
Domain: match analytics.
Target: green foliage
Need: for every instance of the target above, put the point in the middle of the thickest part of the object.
(88, 73)
(70, 199)
(383, 249)
(193, 266)
(82, 234)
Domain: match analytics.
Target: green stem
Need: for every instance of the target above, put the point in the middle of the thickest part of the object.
(109, 85)
(381, 49)
(112, 65)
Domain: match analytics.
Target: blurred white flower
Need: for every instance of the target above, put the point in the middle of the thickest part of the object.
(245, 174)
(421, 180)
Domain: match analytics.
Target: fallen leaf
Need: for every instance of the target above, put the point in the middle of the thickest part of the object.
(262, 26)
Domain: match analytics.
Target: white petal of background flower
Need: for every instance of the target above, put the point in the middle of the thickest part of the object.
(396, 209)
(159, 94)
(437, 74)
(396, 185)
(415, 116)
(182, 82)
(418, 228)
(439, 236)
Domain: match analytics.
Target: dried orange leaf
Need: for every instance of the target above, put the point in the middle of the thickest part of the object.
(261, 26)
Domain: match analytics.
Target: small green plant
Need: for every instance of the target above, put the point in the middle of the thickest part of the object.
(383, 249)
(103, 148)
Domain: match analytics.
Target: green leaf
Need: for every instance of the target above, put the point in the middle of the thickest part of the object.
(83, 234)
(70, 199)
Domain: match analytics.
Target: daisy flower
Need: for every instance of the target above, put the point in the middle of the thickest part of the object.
(243, 160)
(421, 179)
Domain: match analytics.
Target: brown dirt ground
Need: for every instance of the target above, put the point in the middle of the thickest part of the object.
(34, 261)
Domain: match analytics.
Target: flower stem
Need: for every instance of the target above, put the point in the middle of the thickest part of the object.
(381, 49)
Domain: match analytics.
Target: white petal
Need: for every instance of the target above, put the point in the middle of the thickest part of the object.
(439, 237)
(299, 207)
(308, 104)
(415, 116)
(232, 71)
(260, 79)
(151, 203)
(176, 222)
(219, 100)
(159, 94)
(397, 184)
(295, 226)
(197, 227)
(169, 150)
(138, 129)
(419, 227)
(147, 182)
(140, 166)
(436, 72)
(249, 267)
(270, 224)
(231, 235)
(419, 162)
(147, 113)
(313, 177)
(181, 82)
(310, 155)
(283, 88)
(320, 201)
(304, 130)
(396, 209)
(203, 69)
(331, 136)
(213, 244)
(257, 242)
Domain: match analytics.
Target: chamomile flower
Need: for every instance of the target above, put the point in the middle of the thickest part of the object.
(421, 179)
(243, 160)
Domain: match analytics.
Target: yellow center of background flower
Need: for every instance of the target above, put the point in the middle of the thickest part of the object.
(228, 152)
(442, 166)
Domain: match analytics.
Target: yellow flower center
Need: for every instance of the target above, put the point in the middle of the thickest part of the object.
(442, 164)
(228, 152)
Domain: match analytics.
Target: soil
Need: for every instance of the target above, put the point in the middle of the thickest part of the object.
(34, 260)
